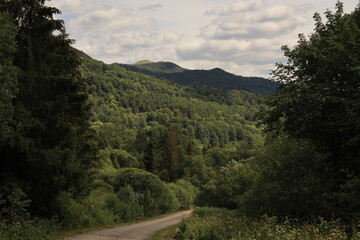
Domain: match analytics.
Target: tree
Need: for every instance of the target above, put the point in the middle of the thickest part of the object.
(320, 99)
(52, 136)
(8, 76)
(291, 181)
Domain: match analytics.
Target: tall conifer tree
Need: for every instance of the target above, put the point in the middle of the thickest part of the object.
(53, 151)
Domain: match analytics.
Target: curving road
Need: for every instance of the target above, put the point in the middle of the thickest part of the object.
(138, 231)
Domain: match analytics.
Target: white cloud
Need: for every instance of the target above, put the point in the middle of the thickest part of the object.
(77, 6)
(246, 33)
(110, 20)
(266, 21)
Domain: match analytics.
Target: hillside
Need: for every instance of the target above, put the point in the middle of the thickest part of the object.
(136, 114)
(216, 77)
(153, 68)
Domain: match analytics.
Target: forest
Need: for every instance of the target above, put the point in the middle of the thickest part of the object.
(85, 144)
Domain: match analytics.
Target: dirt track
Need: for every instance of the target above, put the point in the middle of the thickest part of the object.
(138, 231)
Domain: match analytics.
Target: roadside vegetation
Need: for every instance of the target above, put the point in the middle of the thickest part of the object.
(219, 224)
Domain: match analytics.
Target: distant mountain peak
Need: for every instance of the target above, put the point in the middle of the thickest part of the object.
(216, 77)
(218, 70)
(143, 62)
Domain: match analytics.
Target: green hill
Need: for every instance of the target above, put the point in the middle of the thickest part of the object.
(153, 68)
(143, 62)
(136, 115)
(217, 77)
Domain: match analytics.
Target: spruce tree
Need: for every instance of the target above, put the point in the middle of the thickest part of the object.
(53, 150)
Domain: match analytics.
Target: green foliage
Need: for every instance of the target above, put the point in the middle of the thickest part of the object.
(149, 123)
(320, 101)
(29, 230)
(197, 172)
(290, 181)
(230, 183)
(49, 148)
(184, 193)
(152, 194)
(8, 76)
(14, 205)
(217, 224)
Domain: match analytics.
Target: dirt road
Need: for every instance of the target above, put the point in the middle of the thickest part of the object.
(138, 231)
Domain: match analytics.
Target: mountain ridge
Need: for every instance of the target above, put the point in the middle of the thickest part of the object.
(215, 77)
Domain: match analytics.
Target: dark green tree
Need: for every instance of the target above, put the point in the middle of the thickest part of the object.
(320, 100)
(53, 150)
(8, 76)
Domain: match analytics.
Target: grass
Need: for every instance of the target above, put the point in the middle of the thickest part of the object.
(169, 233)
(220, 224)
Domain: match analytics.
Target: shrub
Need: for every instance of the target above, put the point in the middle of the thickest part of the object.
(184, 193)
(13, 204)
(152, 194)
(220, 224)
(28, 229)
(230, 182)
(72, 214)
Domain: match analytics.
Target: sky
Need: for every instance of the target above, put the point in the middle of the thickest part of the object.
(243, 37)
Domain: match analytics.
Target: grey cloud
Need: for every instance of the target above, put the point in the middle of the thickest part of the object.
(238, 7)
(268, 22)
(244, 52)
(267, 29)
(152, 7)
(136, 44)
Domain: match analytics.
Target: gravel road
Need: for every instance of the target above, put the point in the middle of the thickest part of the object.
(138, 231)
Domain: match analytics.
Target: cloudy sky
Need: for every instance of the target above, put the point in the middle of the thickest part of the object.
(241, 36)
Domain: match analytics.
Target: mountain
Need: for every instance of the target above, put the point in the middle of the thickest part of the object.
(216, 77)
(154, 68)
(143, 62)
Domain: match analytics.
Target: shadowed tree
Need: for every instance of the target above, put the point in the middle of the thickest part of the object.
(52, 150)
(320, 101)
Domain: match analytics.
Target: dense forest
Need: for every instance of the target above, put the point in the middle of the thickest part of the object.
(85, 144)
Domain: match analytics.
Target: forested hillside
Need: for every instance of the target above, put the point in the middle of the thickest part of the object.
(216, 77)
(161, 126)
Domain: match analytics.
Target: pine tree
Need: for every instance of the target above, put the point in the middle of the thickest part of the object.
(53, 150)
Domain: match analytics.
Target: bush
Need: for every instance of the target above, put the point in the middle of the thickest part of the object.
(184, 193)
(28, 229)
(14, 204)
(220, 224)
(72, 214)
(153, 195)
(231, 181)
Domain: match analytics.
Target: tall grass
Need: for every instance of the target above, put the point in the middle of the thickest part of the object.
(218, 224)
